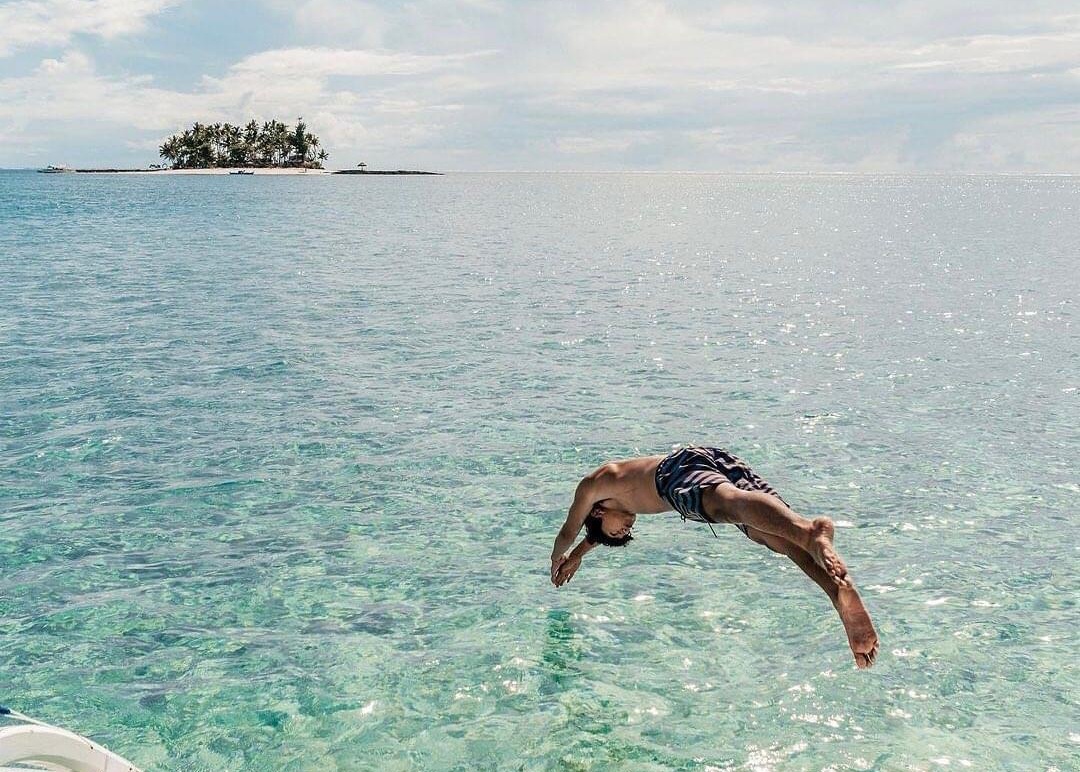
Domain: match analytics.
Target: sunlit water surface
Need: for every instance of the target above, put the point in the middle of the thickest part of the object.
(282, 461)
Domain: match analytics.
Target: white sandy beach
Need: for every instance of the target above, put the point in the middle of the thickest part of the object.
(256, 170)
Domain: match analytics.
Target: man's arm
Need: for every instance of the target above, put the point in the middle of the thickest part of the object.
(592, 488)
(569, 567)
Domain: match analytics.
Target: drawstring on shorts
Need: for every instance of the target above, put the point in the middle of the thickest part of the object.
(706, 523)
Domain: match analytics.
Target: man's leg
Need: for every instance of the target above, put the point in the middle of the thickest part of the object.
(845, 599)
(768, 514)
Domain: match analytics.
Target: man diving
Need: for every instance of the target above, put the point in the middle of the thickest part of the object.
(709, 485)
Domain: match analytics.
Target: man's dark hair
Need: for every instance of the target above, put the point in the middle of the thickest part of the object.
(595, 534)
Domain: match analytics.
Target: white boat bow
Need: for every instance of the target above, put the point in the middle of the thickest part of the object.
(36, 745)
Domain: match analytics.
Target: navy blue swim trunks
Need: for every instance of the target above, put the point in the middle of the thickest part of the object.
(684, 474)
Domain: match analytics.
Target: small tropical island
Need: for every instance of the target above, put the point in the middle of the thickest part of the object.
(222, 148)
(273, 145)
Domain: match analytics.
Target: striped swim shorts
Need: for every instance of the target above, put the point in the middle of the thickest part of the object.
(684, 474)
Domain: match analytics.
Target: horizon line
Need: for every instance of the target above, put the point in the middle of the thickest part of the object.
(783, 173)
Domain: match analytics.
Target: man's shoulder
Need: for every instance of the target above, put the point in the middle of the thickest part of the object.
(628, 466)
(609, 472)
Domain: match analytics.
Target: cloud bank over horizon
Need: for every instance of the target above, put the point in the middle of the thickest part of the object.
(912, 86)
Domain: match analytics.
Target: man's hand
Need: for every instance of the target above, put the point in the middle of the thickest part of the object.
(566, 570)
(556, 562)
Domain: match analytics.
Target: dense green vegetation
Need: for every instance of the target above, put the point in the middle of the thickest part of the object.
(207, 146)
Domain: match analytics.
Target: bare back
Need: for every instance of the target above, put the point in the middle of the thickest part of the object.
(631, 486)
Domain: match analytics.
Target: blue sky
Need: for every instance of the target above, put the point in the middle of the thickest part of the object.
(927, 86)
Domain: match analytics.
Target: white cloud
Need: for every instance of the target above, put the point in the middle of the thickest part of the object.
(323, 62)
(362, 23)
(677, 84)
(53, 22)
(67, 97)
(1043, 139)
(615, 142)
(996, 53)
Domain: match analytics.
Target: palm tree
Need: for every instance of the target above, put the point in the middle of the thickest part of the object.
(236, 150)
(187, 149)
(251, 139)
(280, 142)
(223, 144)
(312, 149)
(299, 142)
(202, 149)
(215, 139)
(266, 144)
(170, 150)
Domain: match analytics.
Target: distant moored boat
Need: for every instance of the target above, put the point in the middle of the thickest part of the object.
(52, 169)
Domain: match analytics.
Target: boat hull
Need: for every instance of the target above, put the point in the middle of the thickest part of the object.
(64, 751)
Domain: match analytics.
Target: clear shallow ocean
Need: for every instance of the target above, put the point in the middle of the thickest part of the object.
(282, 460)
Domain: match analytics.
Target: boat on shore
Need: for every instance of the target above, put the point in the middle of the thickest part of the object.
(243, 172)
(33, 744)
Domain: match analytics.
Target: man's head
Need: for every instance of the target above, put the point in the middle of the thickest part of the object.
(610, 527)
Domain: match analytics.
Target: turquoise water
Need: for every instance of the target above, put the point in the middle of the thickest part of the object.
(282, 460)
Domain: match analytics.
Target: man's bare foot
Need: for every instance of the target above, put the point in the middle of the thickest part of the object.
(821, 548)
(860, 630)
